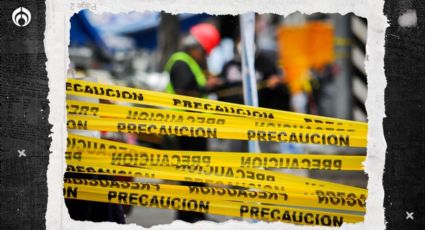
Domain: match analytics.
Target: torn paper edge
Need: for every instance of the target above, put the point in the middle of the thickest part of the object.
(58, 14)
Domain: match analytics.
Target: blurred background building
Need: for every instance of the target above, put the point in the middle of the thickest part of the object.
(320, 59)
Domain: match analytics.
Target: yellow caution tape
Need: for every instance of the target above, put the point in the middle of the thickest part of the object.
(94, 156)
(116, 153)
(238, 173)
(217, 193)
(335, 196)
(172, 116)
(90, 89)
(212, 131)
(93, 146)
(238, 209)
(259, 174)
(153, 157)
(322, 189)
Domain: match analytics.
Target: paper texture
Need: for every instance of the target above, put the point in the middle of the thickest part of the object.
(56, 42)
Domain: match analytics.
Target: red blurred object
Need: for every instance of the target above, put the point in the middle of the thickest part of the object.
(207, 35)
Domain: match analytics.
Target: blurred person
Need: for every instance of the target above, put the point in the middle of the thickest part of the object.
(188, 76)
(272, 92)
(323, 90)
(188, 68)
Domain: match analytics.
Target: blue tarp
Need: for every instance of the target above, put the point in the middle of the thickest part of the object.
(90, 29)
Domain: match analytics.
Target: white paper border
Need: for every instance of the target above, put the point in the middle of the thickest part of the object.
(56, 42)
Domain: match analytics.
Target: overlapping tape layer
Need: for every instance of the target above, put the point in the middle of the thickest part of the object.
(190, 200)
(120, 154)
(254, 191)
(144, 97)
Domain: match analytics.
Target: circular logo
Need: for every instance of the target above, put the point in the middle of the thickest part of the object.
(21, 17)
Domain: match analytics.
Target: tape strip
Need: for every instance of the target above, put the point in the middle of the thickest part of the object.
(260, 175)
(239, 174)
(211, 131)
(245, 210)
(217, 193)
(153, 157)
(240, 177)
(77, 143)
(171, 116)
(90, 89)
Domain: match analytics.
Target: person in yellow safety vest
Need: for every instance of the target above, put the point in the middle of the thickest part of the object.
(188, 68)
(188, 76)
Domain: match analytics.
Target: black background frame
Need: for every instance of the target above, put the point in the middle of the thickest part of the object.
(25, 110)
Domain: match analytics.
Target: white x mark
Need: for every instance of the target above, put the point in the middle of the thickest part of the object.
(22, 153)
(409, 215)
